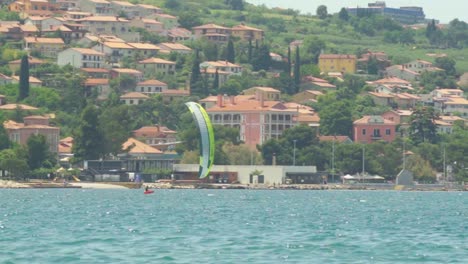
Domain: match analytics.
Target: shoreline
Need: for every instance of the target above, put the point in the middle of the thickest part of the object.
(316, 187)
(4, 184)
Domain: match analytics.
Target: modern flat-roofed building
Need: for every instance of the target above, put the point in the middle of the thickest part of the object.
(404, 14)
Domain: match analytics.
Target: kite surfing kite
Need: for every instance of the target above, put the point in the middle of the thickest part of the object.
(207, 144)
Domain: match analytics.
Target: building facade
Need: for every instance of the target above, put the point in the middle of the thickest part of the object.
(373, 128)
(344, 63)
(81, 58)
(257, 120)
(404, 15)
(33, 125)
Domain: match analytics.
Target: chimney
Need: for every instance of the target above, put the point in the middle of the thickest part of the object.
(219, 100)
(273, 160)
(232, 99)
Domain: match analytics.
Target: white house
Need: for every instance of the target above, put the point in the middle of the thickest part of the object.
(110, 25)
(81, 58)
(151, 87)
(167, 47)
(224, 66)
(154, 66)
(133, 98)
(420, 66)
(150, 25)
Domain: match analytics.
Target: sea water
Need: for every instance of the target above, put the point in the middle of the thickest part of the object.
(232, 226)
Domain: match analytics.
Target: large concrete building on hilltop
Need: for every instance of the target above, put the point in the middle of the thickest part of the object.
(404, 14)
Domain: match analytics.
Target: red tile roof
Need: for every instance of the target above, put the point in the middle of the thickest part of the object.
(134, 95)
(337, 56)
(152, 82)
(137, 147)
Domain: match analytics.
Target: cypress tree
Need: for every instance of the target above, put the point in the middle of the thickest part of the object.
(297, 71)
(216, 82)
(195, 77)
(89, 141)
(343, 14)
(230, 56)
(250, 51)
(289, 62)
(261, 58)
(24, 78)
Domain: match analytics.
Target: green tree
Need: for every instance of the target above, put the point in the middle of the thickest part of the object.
(230, 55)
(172, 4)
(215, 85)
(289, 67)
(312, 47)
(4, 139)
(421, 169)
(407, 37)
(235, 4)
(115, 130)
(456, 146)
(88, 139)
(44, 97)
(189, 19)
(432, 32)
(250, 51)
(343, 14)
(447, 64)
(423, 127)
(430, 80)
(195, 77)
(24, 78)
(38, 152)
(372, 66)
(297, 71)
(242, 154)
(336, 118)
(322, 12)
(283, 148)
(231, 87)
(261, 59)
(14, 161)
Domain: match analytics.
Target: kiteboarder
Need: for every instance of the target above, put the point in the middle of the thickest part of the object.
(206, 138)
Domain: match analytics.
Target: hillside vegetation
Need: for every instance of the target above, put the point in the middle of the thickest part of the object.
(341, 36)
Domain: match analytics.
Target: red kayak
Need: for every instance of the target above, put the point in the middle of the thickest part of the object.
(148, 192)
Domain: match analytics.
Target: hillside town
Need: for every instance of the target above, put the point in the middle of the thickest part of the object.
(106, 82)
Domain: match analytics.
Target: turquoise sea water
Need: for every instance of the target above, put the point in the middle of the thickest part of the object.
(232, 226)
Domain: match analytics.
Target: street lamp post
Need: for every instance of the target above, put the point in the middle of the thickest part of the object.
(294, 153)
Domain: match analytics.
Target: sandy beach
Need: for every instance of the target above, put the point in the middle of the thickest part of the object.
(12, 184)
(92, 185)
(83, 185)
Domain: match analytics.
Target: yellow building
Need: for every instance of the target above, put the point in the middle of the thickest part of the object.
(344, 63)
(246, 33)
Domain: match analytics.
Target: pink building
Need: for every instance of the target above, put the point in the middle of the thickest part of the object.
(258, 120)
(373, 128)
(33, 125)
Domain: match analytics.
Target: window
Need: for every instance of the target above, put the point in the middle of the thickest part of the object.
(364, 131)
(388, 131)
(376, 132)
